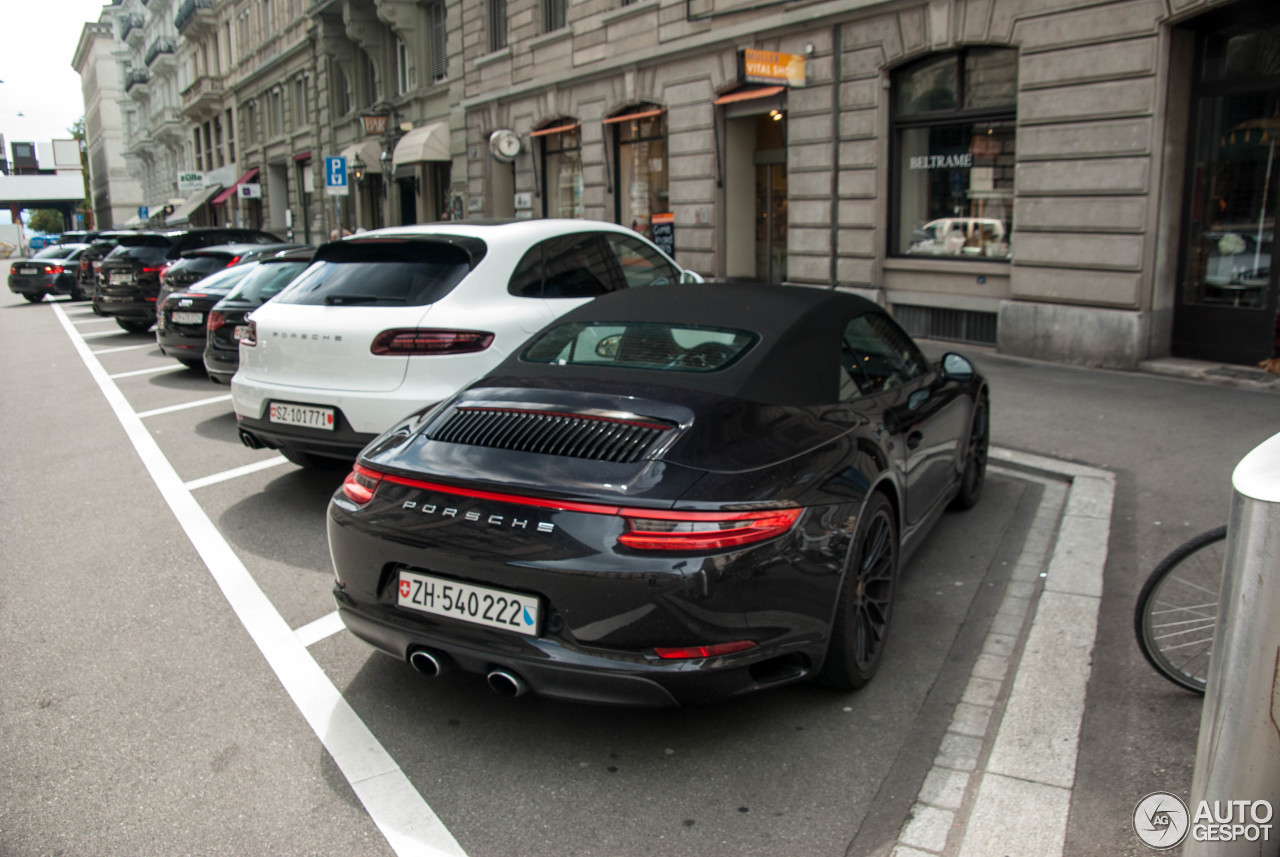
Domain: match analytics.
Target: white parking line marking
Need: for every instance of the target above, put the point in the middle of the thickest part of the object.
(175, 368)
(395, 806)
(321, 629)
(95, 319)
(235, 473)
(184, 406)
(101, 333)
(124, 348)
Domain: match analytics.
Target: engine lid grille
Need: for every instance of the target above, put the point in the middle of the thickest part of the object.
(599, 438)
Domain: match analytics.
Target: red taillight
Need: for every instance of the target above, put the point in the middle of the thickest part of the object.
(53, 269)
(217, 320)
(250, 335)
(159, 270)
(234, 259)
(360, 484)
(426, 341)
(647, 529)
(653, 529)
(705, 651)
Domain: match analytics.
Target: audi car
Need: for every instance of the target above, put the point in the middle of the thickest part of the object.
(182, 317)
(669, 496)
(227, 318)
(52, 271)
(387, 321)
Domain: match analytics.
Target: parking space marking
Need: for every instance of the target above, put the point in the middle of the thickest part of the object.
(155, 412)
(410, 826)
(95, 319)
(235, 472)
(321, 629)
(178, 367)
(124, 348)
(101, 333)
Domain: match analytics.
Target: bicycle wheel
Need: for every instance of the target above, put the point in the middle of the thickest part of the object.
(1177, 609)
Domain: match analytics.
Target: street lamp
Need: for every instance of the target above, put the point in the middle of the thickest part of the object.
(357, 168)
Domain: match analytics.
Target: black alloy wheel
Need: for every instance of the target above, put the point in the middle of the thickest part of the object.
(861, 626)
(975, 460)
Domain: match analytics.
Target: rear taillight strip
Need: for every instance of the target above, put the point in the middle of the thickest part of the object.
(647, 529)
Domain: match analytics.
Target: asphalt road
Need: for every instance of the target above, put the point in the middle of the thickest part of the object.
(143, 711)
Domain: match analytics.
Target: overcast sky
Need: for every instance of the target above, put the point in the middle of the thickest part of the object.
(41, 96)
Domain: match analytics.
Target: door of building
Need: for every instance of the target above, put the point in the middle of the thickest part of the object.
(1227, 299)
(755, 216)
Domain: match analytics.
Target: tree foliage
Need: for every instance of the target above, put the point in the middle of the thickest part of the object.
(45, 220)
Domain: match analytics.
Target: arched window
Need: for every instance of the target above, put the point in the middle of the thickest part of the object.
(639, 165)
(561, 168)
(954, 130)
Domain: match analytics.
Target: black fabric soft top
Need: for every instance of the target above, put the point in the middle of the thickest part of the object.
(796, 362)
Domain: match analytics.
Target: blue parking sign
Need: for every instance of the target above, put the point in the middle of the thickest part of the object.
(335, 176)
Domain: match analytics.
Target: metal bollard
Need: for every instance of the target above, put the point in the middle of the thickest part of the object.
(1238, 755)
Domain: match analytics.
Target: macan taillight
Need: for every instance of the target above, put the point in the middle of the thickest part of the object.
(647, 529)
(427, 341)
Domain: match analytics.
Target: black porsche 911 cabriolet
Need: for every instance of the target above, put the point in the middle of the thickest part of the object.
(670, 495)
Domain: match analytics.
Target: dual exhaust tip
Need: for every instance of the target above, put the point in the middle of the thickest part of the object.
(501, 681)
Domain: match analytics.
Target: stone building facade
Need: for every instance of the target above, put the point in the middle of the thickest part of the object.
(1021, 173)
(115, 194)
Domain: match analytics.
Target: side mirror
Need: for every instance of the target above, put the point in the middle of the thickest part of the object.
(691, 277)
(956, 368)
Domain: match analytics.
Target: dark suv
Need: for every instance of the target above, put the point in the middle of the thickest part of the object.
(129, 278)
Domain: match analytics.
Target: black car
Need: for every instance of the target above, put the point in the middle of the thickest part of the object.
(195, 265)
(667, 496)
(51, 271)
(182, 316)
(227, 319)
(129, 282)
(90, 262)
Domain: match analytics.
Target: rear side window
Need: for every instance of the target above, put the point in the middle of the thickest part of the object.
(380, 273)
(570, 266)
(641, 265)
(53, 252)
(267, 281)
(878, 356)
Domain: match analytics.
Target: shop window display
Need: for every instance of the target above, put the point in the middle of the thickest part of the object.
(955, 138)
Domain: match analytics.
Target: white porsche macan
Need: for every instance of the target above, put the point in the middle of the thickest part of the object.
(387, 322)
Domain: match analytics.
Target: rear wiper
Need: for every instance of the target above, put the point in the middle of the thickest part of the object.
(339, 300)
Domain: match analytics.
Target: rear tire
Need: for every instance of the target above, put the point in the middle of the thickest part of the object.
(865, 608)
(133, 325)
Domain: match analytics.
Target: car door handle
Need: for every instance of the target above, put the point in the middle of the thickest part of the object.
(914, 439)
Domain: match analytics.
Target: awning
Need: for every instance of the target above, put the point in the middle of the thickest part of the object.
(133, 222)
(191, 205)
(221, 199)
(748, 94)
(369, 153)
(638, 114)
(428, 143)
(558, 129)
